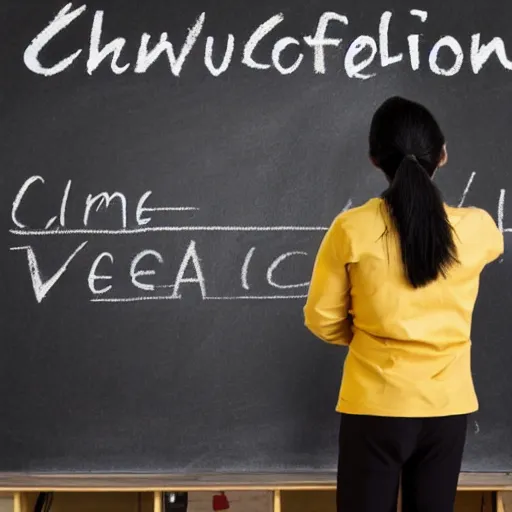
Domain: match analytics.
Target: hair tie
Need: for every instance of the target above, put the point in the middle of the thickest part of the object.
(411, 157)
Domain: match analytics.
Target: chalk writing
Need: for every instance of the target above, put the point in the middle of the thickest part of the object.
(148, 270)
(100, 201)
(245, 268)
(104, 199)
(41, 288)
(93, 277)
(134, 274)
(360, 54)
(466, 190)
(275, 264)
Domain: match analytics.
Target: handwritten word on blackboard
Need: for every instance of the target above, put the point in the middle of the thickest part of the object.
(359, 53)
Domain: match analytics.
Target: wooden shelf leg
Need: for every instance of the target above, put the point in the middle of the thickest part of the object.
(158, 502)
(500, 506)
(277, 501)
(18, 505)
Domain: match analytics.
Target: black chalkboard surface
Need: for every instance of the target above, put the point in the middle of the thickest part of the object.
(167, 171)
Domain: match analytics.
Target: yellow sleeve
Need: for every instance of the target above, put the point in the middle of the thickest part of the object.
(493, 238)
(326, 313)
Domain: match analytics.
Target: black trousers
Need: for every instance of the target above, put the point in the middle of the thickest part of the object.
(376, 452)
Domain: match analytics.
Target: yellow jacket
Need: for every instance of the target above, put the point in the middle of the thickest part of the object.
(409, 349)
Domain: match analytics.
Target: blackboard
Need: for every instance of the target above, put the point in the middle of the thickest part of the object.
(226, 166)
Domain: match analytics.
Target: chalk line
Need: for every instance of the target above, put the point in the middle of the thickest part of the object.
(466, 190)
(259, 297)
(171, 209)
(134, 299)
(501, 207)
(159, 229)
(171, 297)
(245, 268)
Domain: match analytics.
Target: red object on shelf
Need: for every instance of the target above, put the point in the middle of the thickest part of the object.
(220, 502)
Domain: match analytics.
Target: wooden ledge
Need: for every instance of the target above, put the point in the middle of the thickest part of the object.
(19, 482)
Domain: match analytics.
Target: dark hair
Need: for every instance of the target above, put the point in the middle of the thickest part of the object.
(407, 144)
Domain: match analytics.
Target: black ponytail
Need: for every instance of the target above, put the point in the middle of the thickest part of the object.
(407, 144)
(419, 217)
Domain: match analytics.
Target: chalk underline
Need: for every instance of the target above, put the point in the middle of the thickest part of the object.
(158, 229)
(171, 297)
(163, 229)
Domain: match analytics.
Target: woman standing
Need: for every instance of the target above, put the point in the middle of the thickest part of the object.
(396, 280)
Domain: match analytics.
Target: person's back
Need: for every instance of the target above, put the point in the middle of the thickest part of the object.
(417, 339)
(397, 280)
